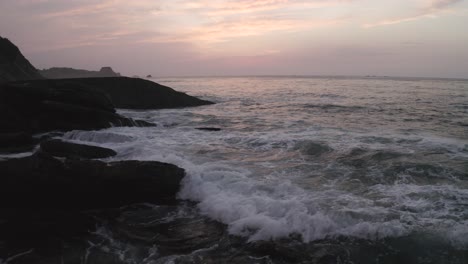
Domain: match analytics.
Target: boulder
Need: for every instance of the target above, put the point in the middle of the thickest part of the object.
(42, 181)
(45, 106)
(59, 148)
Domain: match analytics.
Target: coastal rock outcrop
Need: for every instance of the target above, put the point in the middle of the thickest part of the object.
(130, 93)
(13, 65)
(134, 93)
(56, 202)
(43, 181)
(127, 93)
(45, 105)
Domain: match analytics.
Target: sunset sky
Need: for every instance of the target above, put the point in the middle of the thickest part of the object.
(238, 37)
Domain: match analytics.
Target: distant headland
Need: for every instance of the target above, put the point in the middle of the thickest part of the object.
(66, 73)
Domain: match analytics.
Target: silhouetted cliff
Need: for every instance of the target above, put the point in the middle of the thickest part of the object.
(13, 65)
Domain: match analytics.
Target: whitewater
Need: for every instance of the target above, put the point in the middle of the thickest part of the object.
(314, 157)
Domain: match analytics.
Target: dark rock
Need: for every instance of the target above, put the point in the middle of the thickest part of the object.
(13, 65)
(42, 230)
(107, 72)
(129, 93)
(46, 105)
(16, 142)
(149, 76)
(133, 93)
(139, 233)
(65, 73)
(61, 148)
(208, 128)
(66, 92)
(42, 181)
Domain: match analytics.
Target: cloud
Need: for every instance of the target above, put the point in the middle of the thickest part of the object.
(431, 9)
(254, 26)
(86, 9)
(235, 36)
(224, 20)
(399, 20)
(441, 4)
(237, 7)
(201, 22)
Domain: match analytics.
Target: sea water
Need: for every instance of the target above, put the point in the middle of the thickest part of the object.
(315, 157)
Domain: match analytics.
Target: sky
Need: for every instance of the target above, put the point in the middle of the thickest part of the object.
(421, 38)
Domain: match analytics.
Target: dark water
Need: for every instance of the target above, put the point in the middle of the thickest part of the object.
(304, 170)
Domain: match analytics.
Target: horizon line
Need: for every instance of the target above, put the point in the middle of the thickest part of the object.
(307, 76)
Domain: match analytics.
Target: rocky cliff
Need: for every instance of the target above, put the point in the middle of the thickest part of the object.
(13, 65)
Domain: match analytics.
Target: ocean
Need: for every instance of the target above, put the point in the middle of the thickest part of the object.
(325, 169)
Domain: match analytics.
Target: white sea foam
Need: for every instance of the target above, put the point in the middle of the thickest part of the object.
(256, 177)
(15, 155)
(264, 211)
(263, 207)
(97, 136)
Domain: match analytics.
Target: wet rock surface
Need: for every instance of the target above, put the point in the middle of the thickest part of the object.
(42, 181)
(59, 148)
